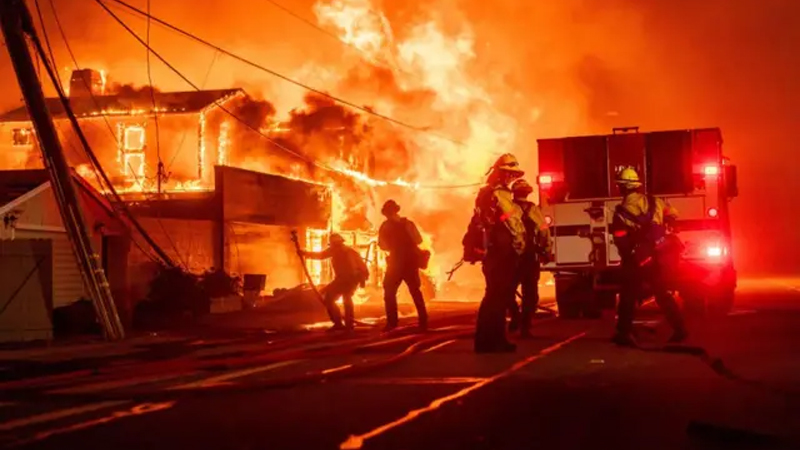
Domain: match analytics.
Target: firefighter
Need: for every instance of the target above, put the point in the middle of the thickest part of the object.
(649, 255)
(538, 246)
(400, 237)
(350, 272)
(501, 219)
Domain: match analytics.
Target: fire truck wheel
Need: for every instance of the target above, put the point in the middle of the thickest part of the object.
(572, 294)
(694, 304)
(592, 310)
(720, 303)
(606, 299)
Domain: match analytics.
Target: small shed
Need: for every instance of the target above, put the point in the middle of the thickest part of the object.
(40, 271)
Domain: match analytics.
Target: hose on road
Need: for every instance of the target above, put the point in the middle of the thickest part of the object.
(318, 376)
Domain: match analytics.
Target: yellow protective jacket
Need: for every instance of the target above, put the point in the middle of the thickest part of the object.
(637, 204)
(502, 216)
(536, 228)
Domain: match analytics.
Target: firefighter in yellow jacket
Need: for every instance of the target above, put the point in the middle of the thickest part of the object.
(649, 254)
(501, 219)
(538, 247)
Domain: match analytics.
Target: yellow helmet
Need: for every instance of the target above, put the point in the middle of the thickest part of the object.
(629, 178)
(507, 162)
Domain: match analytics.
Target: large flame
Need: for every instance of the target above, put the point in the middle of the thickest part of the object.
(419, 74)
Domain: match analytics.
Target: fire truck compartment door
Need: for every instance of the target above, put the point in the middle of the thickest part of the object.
(572, 249)
(624, 150)
(568, 219)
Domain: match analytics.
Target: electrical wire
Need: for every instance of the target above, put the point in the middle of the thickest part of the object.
(244, 122)
(160, 171)
(279, 75)
(61, 86)
(332, 35)
(47, 39)
(97, 167)
(186, 132)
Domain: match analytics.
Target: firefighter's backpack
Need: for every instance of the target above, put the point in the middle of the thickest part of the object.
(474, 241)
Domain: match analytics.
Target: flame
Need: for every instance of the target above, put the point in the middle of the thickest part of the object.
(427, 76)
(360, 24)
(224, 144)
(314, 243)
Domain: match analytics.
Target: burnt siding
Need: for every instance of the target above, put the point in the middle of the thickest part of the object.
(271, 199)
(263, 249)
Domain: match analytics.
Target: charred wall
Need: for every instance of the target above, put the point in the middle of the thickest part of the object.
(271, 199)
(263, 249)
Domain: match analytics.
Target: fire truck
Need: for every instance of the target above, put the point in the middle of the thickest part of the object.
(578, 194)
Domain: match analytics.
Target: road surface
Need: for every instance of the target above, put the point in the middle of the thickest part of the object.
(567, 388)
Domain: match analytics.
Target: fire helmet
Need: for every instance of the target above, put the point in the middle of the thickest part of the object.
(628, 178)
(508, 163)
(390, 207)
(521, 188)
(336, 239)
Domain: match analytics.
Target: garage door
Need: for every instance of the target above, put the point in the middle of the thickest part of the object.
(26, 290)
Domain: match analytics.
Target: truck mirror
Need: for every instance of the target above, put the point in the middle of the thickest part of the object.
(731, 182)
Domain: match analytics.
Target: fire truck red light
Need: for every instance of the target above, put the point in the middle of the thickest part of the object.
(714, 252)
(711, 171)
(545, 180)
(712, 212)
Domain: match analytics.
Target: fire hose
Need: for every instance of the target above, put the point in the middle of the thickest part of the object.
(322, 375)
(276, 352)
(460, 263)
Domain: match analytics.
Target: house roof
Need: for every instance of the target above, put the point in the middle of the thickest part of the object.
(17, 186)
(166, 102)
(15, 183)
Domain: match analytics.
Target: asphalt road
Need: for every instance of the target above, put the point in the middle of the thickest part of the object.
(735, 385)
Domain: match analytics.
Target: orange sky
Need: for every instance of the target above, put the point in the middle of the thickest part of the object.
(526, 69)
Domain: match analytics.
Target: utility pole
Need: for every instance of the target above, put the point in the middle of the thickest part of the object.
(16, 23)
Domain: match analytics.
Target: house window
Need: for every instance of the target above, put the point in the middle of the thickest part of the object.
(132, 146)
(134, 138)
(23, 137)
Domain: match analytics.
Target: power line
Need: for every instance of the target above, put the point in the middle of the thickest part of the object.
(329, 34)
(245, 123)
(92, 157)
(160, 171)
(281, 76)
(60, 84)
(47, 39)
(197, 88)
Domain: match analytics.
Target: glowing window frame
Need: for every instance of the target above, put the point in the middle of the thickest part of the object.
(126, 138)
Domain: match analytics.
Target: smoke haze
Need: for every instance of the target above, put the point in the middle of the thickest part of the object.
(496, 76)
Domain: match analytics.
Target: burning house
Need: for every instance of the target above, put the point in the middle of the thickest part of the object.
(179, 160)
(133, 132)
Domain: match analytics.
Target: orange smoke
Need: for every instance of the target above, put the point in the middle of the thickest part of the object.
(492, 75)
